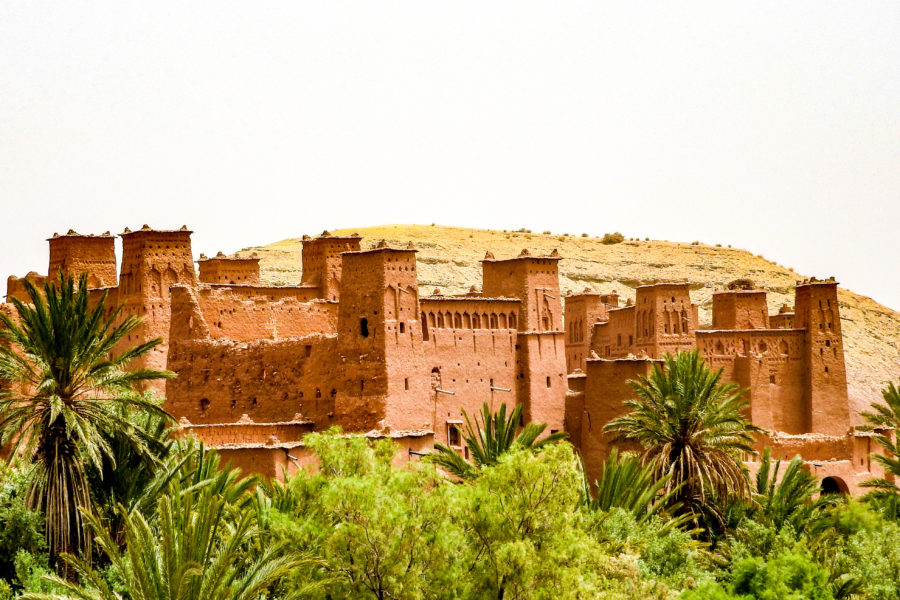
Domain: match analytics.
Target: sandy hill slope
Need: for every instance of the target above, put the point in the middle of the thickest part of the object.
(449, 258)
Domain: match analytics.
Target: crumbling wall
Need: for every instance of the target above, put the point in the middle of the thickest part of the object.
(270, 381)
(246, 313)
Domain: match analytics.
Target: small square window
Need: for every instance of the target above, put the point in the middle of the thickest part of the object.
(453, 436)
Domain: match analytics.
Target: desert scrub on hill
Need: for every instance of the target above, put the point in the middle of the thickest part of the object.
(612, 238)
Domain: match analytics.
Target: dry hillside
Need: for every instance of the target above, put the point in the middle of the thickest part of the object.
(448, 259)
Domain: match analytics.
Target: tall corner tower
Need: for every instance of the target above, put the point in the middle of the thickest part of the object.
(380, 342)
(541, 351)
(817, 311)
(154, 260)
(665, 319)
(322, 263)
(73, 254)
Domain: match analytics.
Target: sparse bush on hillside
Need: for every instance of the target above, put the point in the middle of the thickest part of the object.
(584, 235)
(695, 243)
(548, 232)
(612, 238)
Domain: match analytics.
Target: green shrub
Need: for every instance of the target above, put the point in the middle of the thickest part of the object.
(612, 238)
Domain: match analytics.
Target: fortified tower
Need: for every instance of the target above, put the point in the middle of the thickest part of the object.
(380, 342)
(153, 260)
(582, 311)
(541, 352)
(322, 262)
(740, 307)
(816, 310)
(665, 319)
(74, 254)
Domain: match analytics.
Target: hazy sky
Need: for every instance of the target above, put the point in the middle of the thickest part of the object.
(770, 126)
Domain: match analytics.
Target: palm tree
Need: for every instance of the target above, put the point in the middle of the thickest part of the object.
(693, 430)
(790, 500)
(886, 416)
(195, 544)
(488, 442)
(66, 395)
(628, 484)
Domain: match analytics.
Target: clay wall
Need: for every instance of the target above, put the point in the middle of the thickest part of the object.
(322, 262)
(229, 270)
(477, 366)
(615, 338)
(542, 379)
(582, 311)
(74, 254)
(15, 286)
(740, 309)
(783, 320)
(245, 431)
(605, 391)
(575, 407)
(269, 381)
(248, 313)
(769, 364)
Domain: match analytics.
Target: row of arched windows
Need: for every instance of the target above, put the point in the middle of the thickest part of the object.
(464, 320)
(576, 330)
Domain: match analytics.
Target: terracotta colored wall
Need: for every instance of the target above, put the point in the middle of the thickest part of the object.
(582, 311)
(769, 363)
(234, 271)
(740, 309)
(218, 435)
(468, 362)
(615, 338)
(270, 381)
(782, 321)
(246, 313)
(15, 287)
(605, 390)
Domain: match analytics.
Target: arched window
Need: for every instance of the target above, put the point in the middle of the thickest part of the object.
(476, 321)
(440, 319)
(457, 321)
(467, 320)
(502, 320)
(424, 327)
(493, 321)
(684, 321)
(512, 321)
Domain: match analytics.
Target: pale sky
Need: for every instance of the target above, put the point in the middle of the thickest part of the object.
(769, 126)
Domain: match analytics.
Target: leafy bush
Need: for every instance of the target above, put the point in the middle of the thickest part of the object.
(612, 238)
